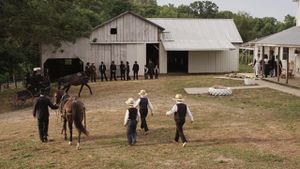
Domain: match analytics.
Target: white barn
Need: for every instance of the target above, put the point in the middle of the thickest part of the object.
(175, 45)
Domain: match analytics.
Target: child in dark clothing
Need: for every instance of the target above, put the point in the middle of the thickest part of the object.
(144, 104)
(180, 110)
(131, 119)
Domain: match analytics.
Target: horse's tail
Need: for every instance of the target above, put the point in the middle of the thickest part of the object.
(76, 113)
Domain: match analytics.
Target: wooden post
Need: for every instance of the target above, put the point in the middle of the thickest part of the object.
(278, 66)
(263, 62)
(287, 68)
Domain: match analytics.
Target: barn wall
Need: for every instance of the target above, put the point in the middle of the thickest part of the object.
(213, 61)
(80, 49)
(137, 52)
(118, 53)
(129, 29)
(163, 62)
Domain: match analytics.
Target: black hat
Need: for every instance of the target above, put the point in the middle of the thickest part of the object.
(42, 91)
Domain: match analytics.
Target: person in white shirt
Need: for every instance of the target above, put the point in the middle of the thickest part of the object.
(132, 116)
(180, 110)
(143, 103)
(257, 66)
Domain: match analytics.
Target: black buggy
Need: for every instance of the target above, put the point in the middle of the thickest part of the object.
(33, 85)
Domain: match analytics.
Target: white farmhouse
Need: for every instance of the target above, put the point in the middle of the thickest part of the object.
(285, 44)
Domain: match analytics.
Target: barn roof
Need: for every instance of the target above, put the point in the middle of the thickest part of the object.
(126, 13)
(198, 34)
(288, 37)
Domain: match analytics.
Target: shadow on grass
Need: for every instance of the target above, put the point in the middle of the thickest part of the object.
(155, 136)
(215, 141)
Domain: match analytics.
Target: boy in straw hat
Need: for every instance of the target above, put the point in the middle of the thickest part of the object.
(144, 103)
(180, 110)
(131, 119)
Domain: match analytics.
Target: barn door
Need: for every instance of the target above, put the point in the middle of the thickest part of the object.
(177, 62)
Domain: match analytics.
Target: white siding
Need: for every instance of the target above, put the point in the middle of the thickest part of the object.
(137, 52)
(80, 49)
(213, 62)
(118, 53)
(163, 62)
(129, 29)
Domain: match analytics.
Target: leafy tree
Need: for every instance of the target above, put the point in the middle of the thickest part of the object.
(146, 8)
(184, 11)
(204, 9)
(168, 11)
(289, 21)
(25, 24)
(112, 8)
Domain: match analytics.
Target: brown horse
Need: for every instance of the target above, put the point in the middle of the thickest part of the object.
(76, 79)
(72, 110)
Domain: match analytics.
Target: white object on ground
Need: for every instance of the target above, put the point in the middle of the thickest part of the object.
(226, 91)
(249, 81)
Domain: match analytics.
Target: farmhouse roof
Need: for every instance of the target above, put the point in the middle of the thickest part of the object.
(198, 34)
(126, 13)
(289, 37)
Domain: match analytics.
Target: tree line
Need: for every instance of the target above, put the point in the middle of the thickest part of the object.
(26, 24)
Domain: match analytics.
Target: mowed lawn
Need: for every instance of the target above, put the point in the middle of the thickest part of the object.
(252, 129)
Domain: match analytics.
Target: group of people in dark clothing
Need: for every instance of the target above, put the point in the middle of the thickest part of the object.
(138, 111)
(35, 82)
(267, 67)
(90, 71)
(150, 71)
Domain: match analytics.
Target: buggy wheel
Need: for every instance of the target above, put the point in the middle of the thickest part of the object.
(20, 102)
(12, 99)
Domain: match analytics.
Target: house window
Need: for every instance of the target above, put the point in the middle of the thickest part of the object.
(113, 31)
(285, 53)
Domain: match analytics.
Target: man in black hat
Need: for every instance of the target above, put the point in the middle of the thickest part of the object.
(41, 112)
(113, 69)
(87, 69)
(122, 70)
(93, 72)
(135, 70)
(127, 68)
(102, 69)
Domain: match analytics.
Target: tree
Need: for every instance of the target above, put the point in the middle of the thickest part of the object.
(146, 8)
(289, 21)
(25, 24)
(112, 8)
(168, 11)
(184, 11)
(204, 9)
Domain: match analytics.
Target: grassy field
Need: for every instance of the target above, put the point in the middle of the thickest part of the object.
(257, 128)
(244, 68)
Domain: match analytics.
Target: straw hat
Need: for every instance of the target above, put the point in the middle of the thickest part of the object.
(143, 93)
(178, 97)
(130, 102)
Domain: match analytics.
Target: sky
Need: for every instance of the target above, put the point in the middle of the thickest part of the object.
(257, 8)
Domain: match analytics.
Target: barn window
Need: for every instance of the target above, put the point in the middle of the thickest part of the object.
(167, 36)
(68, 61)
(113, 31)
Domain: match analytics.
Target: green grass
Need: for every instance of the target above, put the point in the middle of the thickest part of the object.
(257, 128)
(244, 68)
